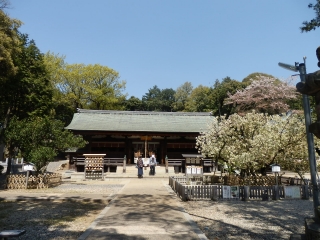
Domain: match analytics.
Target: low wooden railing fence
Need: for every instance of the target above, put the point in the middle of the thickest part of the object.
(216, 192)
(182, 163)
(23, 181)
(108, 162)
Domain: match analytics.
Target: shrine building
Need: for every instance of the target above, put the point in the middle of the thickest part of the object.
(130, 134)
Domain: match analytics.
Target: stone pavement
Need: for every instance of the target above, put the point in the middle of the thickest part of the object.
(144, 209)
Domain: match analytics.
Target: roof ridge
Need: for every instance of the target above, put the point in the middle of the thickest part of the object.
(143, 112)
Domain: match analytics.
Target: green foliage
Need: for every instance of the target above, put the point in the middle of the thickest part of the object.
(40, 139)
(133, 104)
(255, 76)
(85, 86)
(27, 92)
(158, 100)
(199, 100)
(41, 156)
(167, 99)
(181, 96)
(9, 46)
(315, 22)
(219, 93)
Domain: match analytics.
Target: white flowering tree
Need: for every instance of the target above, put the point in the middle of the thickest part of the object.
(265, 95)
(251, 142)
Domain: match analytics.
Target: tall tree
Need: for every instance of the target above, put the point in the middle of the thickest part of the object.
(198, 100)
(220, 92)
(181, 96)
(86, 86)
(167, 99)
(40, 139)
(157, 99)
(28, 92)
(255, 76)
(133, 104)
(266, 95)
(251, 142)
(10, 43)
(152, 99)
(315, 22)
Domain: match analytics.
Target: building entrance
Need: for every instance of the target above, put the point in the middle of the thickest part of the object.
(145, 150)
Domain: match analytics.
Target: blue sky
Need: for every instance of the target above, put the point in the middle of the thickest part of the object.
(169, 42)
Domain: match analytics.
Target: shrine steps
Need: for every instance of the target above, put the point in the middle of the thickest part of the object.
(131, 172)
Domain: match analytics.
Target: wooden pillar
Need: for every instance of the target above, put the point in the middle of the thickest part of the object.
(128, 151)
(124, 163)
(89, 139)
(214, 193)
(305, 192)
(164, 150)
(246, 193)
(275, 195)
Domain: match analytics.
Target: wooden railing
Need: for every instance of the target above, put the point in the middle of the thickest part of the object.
(173, 163)
(215, 192)
(182, 163)
(108, 162)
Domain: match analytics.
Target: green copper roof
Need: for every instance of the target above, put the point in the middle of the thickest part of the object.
(135, 121)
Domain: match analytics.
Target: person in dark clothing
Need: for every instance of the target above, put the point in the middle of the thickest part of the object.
(140, 167)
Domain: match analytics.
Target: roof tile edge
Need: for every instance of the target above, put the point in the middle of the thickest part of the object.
(143, 112)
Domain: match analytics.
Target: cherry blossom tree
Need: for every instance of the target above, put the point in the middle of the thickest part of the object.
(254, 141)
(265, 95)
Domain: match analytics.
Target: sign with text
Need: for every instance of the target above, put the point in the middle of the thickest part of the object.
(230, 192)
(234, 191)
(226, 192)
(292, 192)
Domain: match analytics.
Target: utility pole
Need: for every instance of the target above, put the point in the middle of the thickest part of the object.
(310, 140)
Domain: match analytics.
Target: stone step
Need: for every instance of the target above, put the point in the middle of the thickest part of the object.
(131, 172)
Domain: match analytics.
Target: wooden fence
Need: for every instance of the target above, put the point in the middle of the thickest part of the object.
(216, 192)
(23, 181)
(108, 162)
(181, 163)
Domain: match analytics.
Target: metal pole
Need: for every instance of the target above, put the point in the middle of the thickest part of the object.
(310, 141)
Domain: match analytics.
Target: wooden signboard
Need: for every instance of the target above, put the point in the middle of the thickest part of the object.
(94, 164)
(230, 192)
(291, 192)
(226, 193)
(234, 191)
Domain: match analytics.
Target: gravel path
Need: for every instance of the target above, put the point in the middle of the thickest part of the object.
(55, 220)
(259, 220)
(221, 220)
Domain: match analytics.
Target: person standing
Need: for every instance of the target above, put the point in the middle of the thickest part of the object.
(152, 164)
(140, 167)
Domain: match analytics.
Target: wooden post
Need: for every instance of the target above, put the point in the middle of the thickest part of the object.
(167, 170)
(27, 178)
(183, 194)
(265, 196)
(275, 195)
(246, 193)
(214, 193)
(305, 192)
(124, 163)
